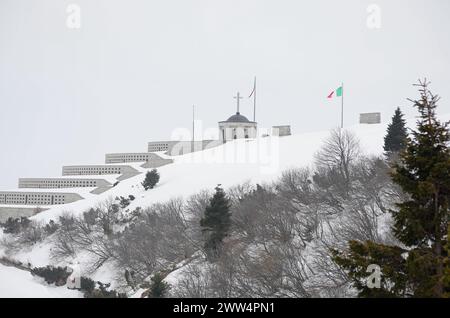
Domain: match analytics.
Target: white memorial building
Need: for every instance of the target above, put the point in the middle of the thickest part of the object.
(119, 166)
(237, 126)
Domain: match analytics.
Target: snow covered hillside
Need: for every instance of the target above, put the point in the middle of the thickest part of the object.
(260, 161)
(257, 161)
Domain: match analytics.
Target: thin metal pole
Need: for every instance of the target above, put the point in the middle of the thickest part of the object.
(254, 101)
(193, 124)
(238, 97)
(342, 106)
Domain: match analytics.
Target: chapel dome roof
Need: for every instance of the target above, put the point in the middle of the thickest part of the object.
(238, 118)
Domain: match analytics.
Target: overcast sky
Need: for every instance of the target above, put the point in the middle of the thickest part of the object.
(132, 71)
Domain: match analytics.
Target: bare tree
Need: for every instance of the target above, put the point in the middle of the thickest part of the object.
(194, 209)
(328, 279)
(300, 199)
(338, 153)
(108, 213)
(157, 240)
(194, 282)
(275, 271)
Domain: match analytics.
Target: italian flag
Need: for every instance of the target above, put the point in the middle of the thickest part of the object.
(338, 92)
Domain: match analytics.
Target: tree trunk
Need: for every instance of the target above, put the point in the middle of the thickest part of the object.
(439, 289)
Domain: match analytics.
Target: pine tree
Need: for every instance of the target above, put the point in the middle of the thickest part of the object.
(421, 223)
(159, 288)
(216, 223)
(447, 265)
(151, 179)
(395, 139)
(424, 174)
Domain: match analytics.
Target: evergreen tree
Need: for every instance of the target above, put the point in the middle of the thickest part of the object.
(395, 139)
(420, 223)
(216, 222)
(159, 288)
(151, 179)
(87, 285)
(447, 265)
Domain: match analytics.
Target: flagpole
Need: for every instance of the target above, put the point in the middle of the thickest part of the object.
(342, 107)
(254, 101)
(193, 127)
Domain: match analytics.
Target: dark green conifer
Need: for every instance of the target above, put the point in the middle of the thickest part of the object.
(216, 222)
(421, 223)
(397, 134)
(151, 179)
(159, 288)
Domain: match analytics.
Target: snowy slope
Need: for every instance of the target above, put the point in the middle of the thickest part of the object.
(21, 284)
(259, 160)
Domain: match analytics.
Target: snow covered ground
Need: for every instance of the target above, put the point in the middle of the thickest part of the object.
(16, 283)
(258, 161)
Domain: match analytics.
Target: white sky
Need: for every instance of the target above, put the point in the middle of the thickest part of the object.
(133, 70)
